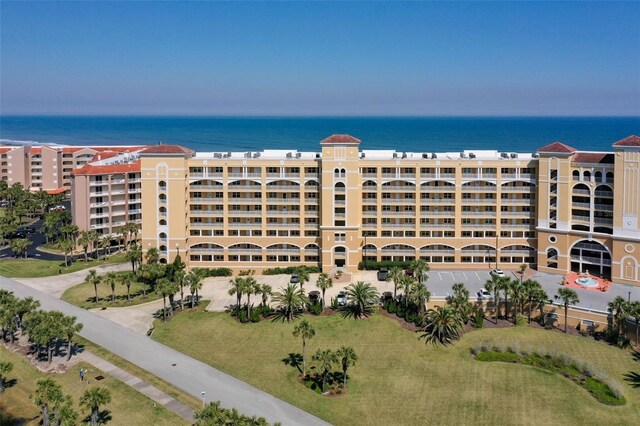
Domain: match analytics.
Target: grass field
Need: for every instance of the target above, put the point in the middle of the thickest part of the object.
(83, 295)
(34, 268)
(400, 380)
(127, 407)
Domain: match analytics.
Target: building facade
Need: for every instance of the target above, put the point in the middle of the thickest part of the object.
(558, 209)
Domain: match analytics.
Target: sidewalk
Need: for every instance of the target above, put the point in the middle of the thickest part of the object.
(144, 388)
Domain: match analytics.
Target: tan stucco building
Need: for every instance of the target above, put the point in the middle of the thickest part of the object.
(559, 209)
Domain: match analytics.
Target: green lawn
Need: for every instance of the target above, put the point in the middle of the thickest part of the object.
(127, 407)
(34, 268)
(400, 380)
(83, 295)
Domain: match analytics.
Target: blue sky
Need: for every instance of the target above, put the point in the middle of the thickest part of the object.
(338, 58)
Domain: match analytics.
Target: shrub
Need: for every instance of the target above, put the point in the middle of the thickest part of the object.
(315, 308)
(290, 270)
(521, 320)
(255, 315)
(334, 303)
(478, 318)
(242, 316)
(214, 272)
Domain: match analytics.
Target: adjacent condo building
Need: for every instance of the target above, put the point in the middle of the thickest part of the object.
(559, 209)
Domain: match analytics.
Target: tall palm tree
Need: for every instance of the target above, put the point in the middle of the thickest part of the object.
(421, 295)
(361, 296)
(619, 309)
(105, 245)
(237, 287)
(5, 368)
(494, 285)
(66, 247)
(420, 267)
(505, 286)
(305, 331)
(134, 255)
(634, 311)
(517, 290)
(265, 291)
(324, 283)
(444, 326)
(194, 281)
(395, 275)
(408, 286)
(180, 278)
(152, 255)
(47, 393)
(529, 288)
(127, 279)
(460, 301)
(211, 414)
(326, 358)
(165, 287)
(92, 399)
(251, 286)
(111, 279)
(303, 274)
(289, 301)
(94, 279)
(70, 327)
(347, 356)
(85, 242)
(569, 297)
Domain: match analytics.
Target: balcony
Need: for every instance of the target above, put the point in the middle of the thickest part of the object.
(487, 214)
(399, 225)
(607, 194)
(438, 213)
(478, 201)
(518, 201)
(277, 200)
(437, 201)
(605, 207)
(581, 206)
(521, 214)
(581, 218)
(581, 192)
(206, 250)
(447, 175)
(245, 200)
(220, 187)
(201, 200)
(398, 188)
(437, 225)
(245, 250)
(391, 252)
(479, 188)
(389, 213)
(432, 252)
(518, 188)
(517, 252)
(210, 212)
(523, 226)
(99, 225)
(206, 225)
(603, 220)
(592, 260)
(245, 225)
(479, 226)
(399, 200)
(135, 211)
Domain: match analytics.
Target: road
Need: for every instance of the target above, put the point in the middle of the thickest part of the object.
(180, 370)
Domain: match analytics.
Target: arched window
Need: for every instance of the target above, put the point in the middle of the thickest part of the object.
(162, 236)
(162, 185)
(576, 175)
(609, 177)
(597, 176)
(162, 222)
(587, 175)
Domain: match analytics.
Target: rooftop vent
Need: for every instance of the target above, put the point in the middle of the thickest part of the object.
(395, 155)
(404, 155)
(298, 154)
(425, 155)
(434, 155)
(472, 155)
(289, 155)
(536, 155)
(463, 155)
(504, 155)
(514, 155)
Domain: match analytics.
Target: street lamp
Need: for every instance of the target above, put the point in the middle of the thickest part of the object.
(178, 248)
(365, 251)
(203, 394)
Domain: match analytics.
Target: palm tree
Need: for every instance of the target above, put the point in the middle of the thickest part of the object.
(20, 246)
(362, 296)
(127, 279)
(303, 274)
(494, 285)
(569, 297)
(421, 295)
(211, 414)
(180, 279)
(165, 287)
(530, 287)
(347, 356)
(505, 286)
(306, 332)
(634, 311)
(194, 281)
(420, 267)
(105, 245)
(517, 290)
(69, 328)
(238, 286)
(47, 392)
(63, 412)
(326, 358)
(619, 309)
(111, 279)
(444, 326)
(290, 301)
(92, 399)
(460, 301)
(134, 255)
(324, 283)
(396, 275)
(251, 286)
(152, 256)
(84, 242)
(95, 279)
(5, 368)
(265, 292)
(66, 247)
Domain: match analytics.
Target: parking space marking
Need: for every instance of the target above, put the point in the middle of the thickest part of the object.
(465, 276)
(479, 279)
(440, 276)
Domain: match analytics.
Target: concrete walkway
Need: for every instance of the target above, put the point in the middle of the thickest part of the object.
(176, 368)
(55, 285)
(138, 384)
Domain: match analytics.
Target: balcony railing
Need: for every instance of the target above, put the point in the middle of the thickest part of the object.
(592, 260)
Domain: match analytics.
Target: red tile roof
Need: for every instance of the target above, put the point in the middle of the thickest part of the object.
(592, 158)
(167, 149)
(340, 139)
(89, 169)
(557, 147)
(632, 140)
(51, 191)
(3, 150)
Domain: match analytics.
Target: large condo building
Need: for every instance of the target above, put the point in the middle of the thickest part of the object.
(559, 209)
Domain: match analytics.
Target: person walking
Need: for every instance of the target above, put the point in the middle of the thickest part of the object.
(82, 372)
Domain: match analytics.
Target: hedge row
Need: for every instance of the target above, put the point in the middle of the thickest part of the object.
(374, 266)
(290, 270)
(214, 272)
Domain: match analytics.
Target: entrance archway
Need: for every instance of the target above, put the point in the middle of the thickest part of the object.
(591, 256)
(339, 257)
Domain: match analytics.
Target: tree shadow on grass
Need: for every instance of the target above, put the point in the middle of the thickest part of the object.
(103, 417)
(354, 311)
(9, 383)
(633, 378)
(636, 356)
(294, 360)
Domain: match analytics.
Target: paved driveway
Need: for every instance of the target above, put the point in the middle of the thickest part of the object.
(180, 370)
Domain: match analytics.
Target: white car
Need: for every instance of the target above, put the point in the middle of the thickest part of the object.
(498, 273)
(484, 294)
(342, 298)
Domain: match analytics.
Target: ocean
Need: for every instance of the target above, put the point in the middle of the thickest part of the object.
(417, 134)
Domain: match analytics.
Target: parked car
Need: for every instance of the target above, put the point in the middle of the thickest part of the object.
(383, 273)
(27, 229)
(314, 296)
(342, 298)
(295, 279)
(387, 295)
(484, 294)
(497, 273)
(4, 204)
